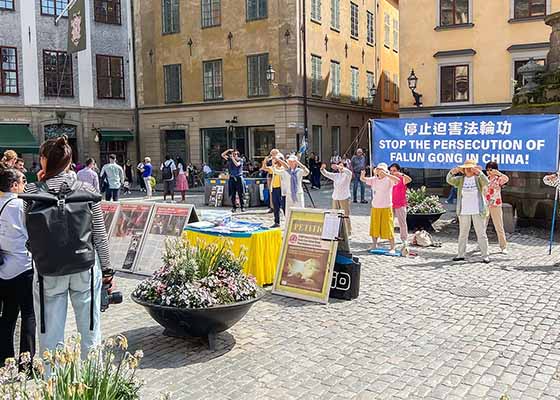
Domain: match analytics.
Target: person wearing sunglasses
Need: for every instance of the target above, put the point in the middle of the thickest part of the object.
(16, 274)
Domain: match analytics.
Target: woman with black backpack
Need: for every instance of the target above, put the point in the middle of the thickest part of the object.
(78, 252)
(16, 274)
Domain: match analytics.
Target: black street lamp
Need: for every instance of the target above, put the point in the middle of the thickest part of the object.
(412, 83)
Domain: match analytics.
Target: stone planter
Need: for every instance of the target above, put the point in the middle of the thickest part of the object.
(198, 322)
(416, 222)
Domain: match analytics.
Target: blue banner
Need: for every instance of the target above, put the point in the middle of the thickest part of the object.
(516, 142)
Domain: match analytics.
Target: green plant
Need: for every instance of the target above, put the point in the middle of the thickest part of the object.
(421, 202)
(108, 373)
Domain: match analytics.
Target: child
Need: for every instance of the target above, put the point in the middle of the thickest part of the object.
(381, 220)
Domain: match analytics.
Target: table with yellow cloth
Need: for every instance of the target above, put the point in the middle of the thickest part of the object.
(262, 249)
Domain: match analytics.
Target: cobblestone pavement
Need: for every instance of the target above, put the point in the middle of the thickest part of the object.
(405, 337)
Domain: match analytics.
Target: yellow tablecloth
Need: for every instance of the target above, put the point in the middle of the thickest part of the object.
(262, 250)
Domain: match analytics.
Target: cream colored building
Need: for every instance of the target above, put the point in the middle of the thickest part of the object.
(465, 53)
(201, 75)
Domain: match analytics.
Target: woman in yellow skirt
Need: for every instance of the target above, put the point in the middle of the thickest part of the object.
(381, 220)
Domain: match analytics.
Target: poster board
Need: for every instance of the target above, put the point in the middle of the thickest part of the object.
(128, 233)
(166, 221)
(216, 195)
(110, 210)
(306, 263)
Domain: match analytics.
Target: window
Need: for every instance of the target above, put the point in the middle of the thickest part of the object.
(386, 87)
(354, 84)
(57, 73)
(316, 10)
(116, 148)
(335, 138)
(173, 83)
(316, 76)
(396, 34)
(7, 5)
(317, 140)
(110, 77)
(8, 71)
(335, 79)
(453, 12)
(387, 38)
(256, 75)
(395, 88)
(257, 9)
(529, 8)
(335, 14)
(518, 64)
(108, 11)
(370, 28)
(213, 87)
(370, 83)
(454, 83)
(170, 16)
(354, 31)
(53, 7)
(211, 13)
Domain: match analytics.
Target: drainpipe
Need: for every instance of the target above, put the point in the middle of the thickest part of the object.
(136, 112)
(304, 38)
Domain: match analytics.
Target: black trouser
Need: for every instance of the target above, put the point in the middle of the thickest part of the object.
(278, 202)
(236, 186)
(17, 294)
(140, 179)
(112, 194)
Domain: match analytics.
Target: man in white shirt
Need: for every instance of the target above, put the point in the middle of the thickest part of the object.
(114, 175)
(168, 171)
(341, 190)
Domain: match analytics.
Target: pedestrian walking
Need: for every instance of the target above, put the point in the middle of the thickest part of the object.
(472, 208)
(88, 174)
(115, 178)
(381, 217)
(182, 175)
(139, 177)
(276, 193)
(235, 183)
(399, 200)
(16, 273)
(147, 170)
(84, 288)
(292, 182)
(358, 163)
(168, 172)
(496, 180)
(342, 178)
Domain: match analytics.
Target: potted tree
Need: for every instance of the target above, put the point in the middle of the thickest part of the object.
(423, 209)
(199, 291)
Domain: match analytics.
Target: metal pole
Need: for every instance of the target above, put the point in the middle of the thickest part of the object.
(133, 79)
(553, 221)
(304, 39)
(70, 4)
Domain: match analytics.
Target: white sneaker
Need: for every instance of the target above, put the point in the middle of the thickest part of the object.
(392, 251)
(504, 251)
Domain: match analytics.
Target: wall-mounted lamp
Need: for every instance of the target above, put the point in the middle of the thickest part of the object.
(271, 77)
(287, 35)
(412, 84)
(230, 39)
(190, 43)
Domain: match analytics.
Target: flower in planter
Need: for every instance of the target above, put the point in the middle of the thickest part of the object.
(198, 276)
(420, 202)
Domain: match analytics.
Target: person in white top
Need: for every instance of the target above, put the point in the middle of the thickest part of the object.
(341, 189)
(168, 172)
(292, 182)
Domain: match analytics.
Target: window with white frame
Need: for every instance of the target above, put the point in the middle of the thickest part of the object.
(370, 28)
(335, 139)
(395, 34)
(354, 84)
(370, 84)
(354, 20)
(335, 14)
(257, 9)
(213, 87)
(256, 75)
(387, 25)
(454, 83)
(386, 87)
(211, 13)
(316, 78)
(7, 5)
(395, 88)
(170, 16)
(529, 8)
(335, 79)
(316, 10)
(453, 12)
(173, 83)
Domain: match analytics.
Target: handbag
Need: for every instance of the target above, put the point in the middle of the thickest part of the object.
(1, 210)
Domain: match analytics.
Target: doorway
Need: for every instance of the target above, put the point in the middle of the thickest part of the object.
(176, 144)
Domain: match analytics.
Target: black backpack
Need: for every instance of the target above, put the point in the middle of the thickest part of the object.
(60, 227)
(166, 173)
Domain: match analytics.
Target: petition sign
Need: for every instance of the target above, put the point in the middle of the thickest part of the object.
(517, 143)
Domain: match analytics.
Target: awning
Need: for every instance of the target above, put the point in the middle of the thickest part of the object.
(18, 138)
(115, 136)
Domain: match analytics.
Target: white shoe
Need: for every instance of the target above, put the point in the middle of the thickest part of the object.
(392, 251)
(504, 251)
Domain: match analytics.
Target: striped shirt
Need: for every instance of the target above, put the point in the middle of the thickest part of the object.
(99, 233)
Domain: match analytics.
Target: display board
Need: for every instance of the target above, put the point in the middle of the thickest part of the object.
(110, 209)
(128, 233)
(166, 221)
(216, 196)
(306, 263)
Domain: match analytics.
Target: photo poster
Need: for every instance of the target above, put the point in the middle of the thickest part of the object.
(128, 233)
(306, 263)
(216, 195)
(167, 221)
(110, 210)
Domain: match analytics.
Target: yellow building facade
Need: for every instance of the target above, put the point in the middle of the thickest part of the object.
(466, 53)
(202, 75)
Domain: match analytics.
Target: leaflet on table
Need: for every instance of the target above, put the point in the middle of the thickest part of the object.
(228, 227)
(128, 233)
(167, 221)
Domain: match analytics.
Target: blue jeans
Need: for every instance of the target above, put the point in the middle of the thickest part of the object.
(56, 291)
(112, 193)
(357, 182)
(452, 195)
